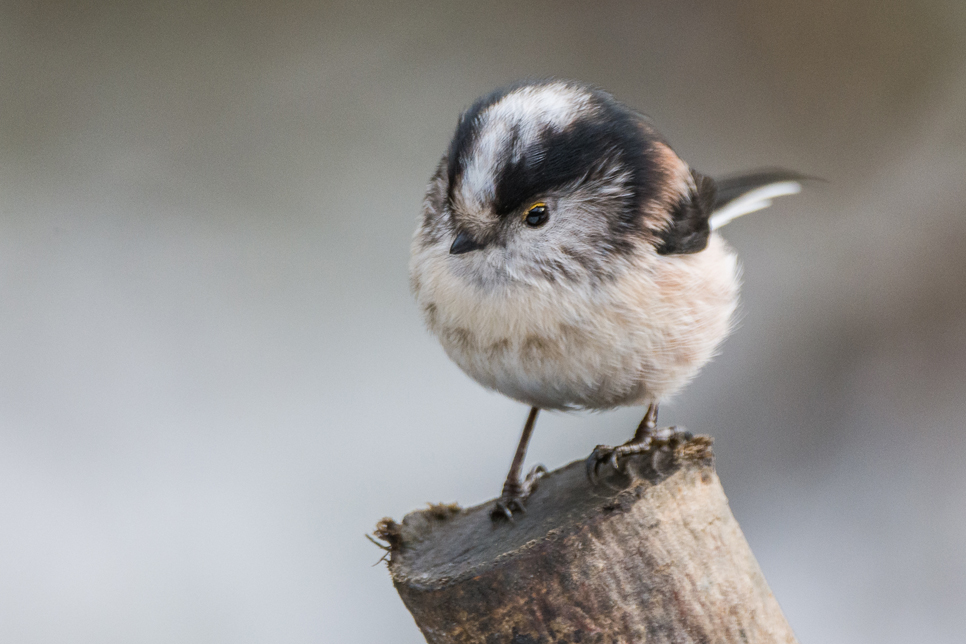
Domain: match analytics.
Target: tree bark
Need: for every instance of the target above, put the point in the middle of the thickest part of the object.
(651, 555)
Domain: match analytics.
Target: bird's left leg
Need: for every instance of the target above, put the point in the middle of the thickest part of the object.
(515, 491)
(646, 437)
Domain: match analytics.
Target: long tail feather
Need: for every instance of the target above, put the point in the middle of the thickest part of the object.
(742, 194)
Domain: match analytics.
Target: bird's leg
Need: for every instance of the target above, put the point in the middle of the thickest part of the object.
(646, 429)
(644, 439)
(515, 491)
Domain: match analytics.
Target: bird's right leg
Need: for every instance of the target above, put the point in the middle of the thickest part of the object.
(646, 437)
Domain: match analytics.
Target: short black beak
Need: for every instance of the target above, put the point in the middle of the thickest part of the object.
(464, 244)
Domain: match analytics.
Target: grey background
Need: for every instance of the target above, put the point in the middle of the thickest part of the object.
(214, 380)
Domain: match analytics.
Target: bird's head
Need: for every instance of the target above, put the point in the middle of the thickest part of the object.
(557, 181)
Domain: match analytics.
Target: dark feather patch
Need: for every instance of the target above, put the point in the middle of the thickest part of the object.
(560, 158)
(593, 144)
(688, 230)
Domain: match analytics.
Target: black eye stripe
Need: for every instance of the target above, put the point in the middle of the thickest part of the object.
(610, 137)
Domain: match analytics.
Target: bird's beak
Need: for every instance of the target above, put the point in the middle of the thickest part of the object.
(464, 243)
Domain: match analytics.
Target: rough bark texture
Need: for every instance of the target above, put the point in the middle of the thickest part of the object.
(651, 556)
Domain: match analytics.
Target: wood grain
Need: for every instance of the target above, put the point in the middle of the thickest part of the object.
(652, 555)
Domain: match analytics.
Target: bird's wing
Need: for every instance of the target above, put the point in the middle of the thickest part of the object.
(739, 195)
(688, 228)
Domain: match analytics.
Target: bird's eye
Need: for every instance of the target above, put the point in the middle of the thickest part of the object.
(537, 215)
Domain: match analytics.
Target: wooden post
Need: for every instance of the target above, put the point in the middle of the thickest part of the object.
(653, 555)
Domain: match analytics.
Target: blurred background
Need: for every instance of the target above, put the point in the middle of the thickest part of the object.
(214, 380)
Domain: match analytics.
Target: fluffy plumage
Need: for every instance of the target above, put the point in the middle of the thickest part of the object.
(618, 293)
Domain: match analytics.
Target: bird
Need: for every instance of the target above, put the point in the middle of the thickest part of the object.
(567, 257)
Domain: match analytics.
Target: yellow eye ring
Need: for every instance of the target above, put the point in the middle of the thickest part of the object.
(536, 215)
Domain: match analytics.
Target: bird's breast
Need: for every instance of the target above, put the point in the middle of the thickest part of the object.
(630, 340)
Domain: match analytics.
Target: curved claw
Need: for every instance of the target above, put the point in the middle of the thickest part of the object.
(615, 460)
(531, 480)
(600, 455)
(505, 507)
(537, 471)
(514, 496)
(501, 511)
(659, 441)
(590, 465)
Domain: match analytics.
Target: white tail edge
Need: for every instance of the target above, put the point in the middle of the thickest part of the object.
(757, 199)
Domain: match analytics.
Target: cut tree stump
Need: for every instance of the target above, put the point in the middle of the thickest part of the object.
(651, 555)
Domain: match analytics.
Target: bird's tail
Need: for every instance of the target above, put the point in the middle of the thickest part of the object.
(741, 194)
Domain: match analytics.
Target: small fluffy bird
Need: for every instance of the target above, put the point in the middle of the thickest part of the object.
(567, 258)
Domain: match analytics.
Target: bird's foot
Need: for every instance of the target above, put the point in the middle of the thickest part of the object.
(657, 441)
(515, 494)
